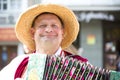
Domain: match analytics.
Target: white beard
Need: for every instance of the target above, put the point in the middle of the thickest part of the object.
(47, 45)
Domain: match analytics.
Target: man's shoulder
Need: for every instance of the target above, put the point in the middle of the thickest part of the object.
(19, 58)
(15, 62)
(7, 73)
(78, 57)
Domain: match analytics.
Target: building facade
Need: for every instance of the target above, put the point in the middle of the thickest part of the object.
(10, 47)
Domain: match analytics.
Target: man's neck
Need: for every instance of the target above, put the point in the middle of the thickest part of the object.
(49, 51)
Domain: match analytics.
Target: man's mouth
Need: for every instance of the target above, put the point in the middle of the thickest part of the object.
(49, 36)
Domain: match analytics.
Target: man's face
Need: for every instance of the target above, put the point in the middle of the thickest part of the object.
(47, 30)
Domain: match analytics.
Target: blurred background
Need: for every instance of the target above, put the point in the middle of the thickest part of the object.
(99, 29)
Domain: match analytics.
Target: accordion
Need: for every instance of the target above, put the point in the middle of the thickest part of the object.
(44, 67)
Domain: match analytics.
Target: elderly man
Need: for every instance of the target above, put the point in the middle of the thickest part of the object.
(43, 29)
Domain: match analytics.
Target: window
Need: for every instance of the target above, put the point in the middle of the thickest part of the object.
(7, 53)
(3, 5)
(111, 43)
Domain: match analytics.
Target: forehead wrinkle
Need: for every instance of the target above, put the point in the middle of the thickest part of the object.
(45, 13)
(45, 17)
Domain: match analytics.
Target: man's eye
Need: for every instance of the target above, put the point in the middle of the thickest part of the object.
(55, 26)
(42, 26)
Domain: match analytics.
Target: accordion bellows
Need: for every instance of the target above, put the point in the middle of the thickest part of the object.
(44, 67)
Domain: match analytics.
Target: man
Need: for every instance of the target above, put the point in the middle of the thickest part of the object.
(43, 29)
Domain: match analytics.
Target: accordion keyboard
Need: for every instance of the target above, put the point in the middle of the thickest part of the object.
(67, 68)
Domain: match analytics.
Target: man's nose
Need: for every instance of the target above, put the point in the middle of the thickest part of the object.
(49, 29)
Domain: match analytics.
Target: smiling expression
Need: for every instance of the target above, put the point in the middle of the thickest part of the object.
(47, 30)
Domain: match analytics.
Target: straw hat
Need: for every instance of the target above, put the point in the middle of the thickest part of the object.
(24, 23)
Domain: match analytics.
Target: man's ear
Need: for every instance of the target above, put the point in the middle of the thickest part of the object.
(32, 31)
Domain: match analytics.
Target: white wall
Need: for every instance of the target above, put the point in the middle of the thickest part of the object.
(20, 49)
(92, 52)
(88, 4)
(83, 2)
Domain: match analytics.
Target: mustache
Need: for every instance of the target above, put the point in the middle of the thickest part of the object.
(47, 35)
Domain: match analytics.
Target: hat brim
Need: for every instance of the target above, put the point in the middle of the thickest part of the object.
(23, 26)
